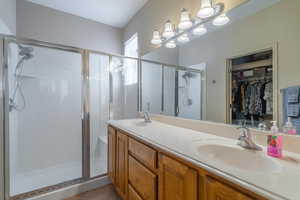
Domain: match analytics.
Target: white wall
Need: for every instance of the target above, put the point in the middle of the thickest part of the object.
(163, 55)
(8, 17)
(42, 23)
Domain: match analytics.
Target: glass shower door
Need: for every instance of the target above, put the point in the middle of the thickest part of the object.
(188, 95)
(99, 112)
(124, 88)
(152, 87)
(169, 85)
(45, 110)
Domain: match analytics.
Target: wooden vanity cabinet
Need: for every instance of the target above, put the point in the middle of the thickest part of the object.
(132, 194)
(111, 169)
(219, 191)
(176, 180)
(140, 171)
(121, 180)
(142, 180)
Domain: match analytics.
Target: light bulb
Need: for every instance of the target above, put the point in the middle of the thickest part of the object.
(169, 31)
(200, 30)
(185, 21)
(221, 20)
(156, 39)
(206, 9)
(183, 38)
(171, 44)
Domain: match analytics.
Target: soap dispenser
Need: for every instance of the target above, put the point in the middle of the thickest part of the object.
(275, 142)
(289, 128)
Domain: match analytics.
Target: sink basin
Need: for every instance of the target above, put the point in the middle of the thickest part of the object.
(239, 158)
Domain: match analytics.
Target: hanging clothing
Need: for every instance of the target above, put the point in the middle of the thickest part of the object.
(263, 101)
(249, 99)
(269, 98)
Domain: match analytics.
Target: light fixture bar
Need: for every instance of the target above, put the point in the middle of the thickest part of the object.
(219, 8)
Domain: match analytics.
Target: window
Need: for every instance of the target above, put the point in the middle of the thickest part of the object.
(131, 46)
(130, 65)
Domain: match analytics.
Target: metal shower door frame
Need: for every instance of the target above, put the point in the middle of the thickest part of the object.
(4, 111)
(2, 152)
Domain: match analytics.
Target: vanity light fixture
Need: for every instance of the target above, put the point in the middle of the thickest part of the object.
(156, 39)
(169, 30)
(183, 38)
(206, 9)
(171, 44)
(189, 26)
(185, 20)
(221, 20)
(200, 30)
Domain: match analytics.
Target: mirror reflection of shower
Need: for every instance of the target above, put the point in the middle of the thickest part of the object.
(187, 99)
(25, 54)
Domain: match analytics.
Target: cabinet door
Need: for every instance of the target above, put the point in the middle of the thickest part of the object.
(121, 164)
(176, 180)
(219, 191)
(112, 154)
(142, 179)
(132, 194)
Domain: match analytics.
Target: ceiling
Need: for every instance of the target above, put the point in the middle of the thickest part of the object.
(116, 13)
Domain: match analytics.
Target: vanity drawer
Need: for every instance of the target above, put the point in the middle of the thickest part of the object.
(142, 179)
(132, 195)
(143, 153)
(217, 190)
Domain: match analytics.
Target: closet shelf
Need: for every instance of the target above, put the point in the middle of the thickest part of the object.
(251, 65)
(246, 79)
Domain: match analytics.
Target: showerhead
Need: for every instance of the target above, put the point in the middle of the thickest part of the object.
(26, 52)
(188, 75)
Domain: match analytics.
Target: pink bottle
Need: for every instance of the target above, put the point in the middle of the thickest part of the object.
(275, 142)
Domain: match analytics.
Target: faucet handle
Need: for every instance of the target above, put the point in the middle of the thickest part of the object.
(245, 132)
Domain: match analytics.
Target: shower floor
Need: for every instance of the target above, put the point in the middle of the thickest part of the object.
(26, 182)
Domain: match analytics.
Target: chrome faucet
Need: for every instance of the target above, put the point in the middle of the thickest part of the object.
(147, 117)
(245, 139)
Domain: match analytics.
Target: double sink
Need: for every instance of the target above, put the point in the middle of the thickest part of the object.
(227, 152)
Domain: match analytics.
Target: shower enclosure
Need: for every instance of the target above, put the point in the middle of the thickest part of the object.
(172, 90)
(55, 102)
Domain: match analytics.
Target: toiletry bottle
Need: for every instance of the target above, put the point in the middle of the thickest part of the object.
(289, 128)
(275, 142)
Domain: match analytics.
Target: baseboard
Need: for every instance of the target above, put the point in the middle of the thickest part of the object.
(73, 190)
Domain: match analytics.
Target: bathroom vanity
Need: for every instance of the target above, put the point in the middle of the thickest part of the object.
(149, 161)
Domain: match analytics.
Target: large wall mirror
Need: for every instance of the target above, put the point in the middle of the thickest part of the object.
(244, 72)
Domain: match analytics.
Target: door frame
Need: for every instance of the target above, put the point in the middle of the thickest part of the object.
(2, 171)
(246, 52)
